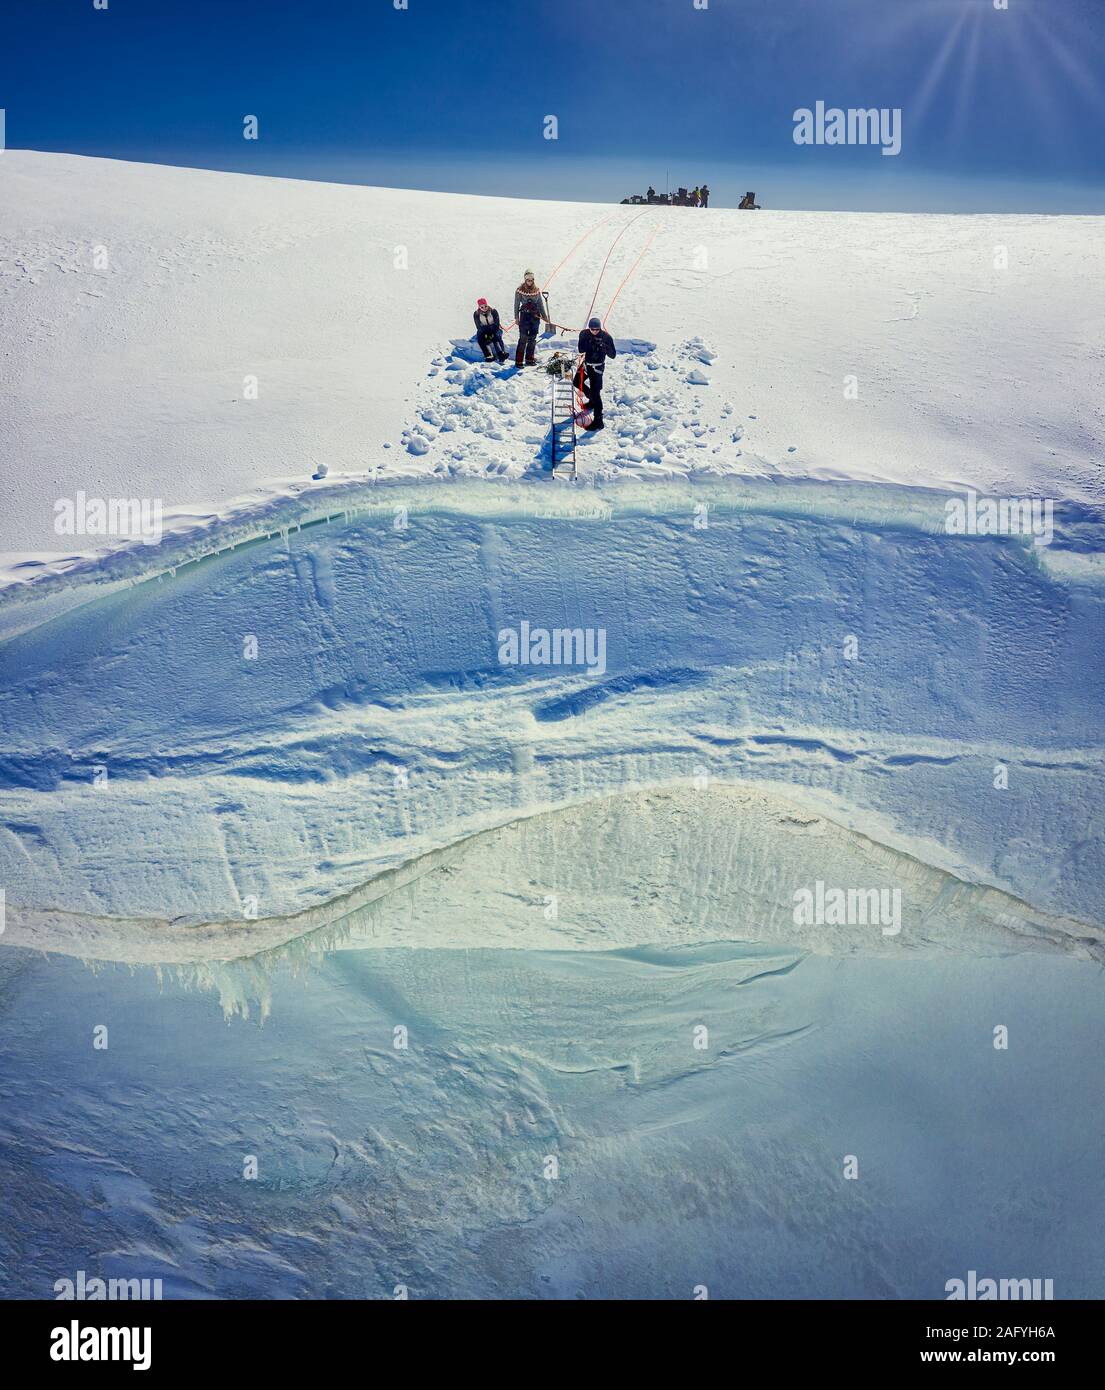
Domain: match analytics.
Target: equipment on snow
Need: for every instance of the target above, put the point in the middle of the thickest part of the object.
(693, 198)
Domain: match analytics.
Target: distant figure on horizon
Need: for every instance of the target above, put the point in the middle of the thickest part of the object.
(704, 193)
(695, 195)
(748, 201)
(651, 194)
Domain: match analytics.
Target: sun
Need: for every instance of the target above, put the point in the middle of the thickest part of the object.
(1040, 45)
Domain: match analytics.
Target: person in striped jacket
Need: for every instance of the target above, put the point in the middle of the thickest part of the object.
(530, 311)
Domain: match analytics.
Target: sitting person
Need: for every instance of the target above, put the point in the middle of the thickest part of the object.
(489, 334)
(748, 201)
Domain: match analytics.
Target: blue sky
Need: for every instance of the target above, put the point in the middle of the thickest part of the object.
(1001, 109)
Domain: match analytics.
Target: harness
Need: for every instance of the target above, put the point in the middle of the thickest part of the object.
(531, 304)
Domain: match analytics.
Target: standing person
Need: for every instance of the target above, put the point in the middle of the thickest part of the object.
(489, 334)
(694, 197)
(529, 310)
(705, 193)
(596, 346)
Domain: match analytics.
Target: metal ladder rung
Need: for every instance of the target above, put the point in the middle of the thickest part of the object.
(563, 417)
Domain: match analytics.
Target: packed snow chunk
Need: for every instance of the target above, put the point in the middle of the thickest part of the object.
(418, 444)
(633, 347)
(698, 349)
(697, 377)
(467, 349)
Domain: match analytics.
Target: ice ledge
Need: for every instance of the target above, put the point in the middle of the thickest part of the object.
(1076, 556)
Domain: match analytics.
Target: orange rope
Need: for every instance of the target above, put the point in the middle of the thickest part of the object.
(610, 306)
(609, 253)
(564, 260)
(578, 380)
(628, 273)
(578, 244)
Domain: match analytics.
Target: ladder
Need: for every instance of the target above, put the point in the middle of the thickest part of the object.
(563, 436)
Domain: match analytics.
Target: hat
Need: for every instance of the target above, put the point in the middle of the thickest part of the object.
(594, 323)
(481, 303)
(525, 273)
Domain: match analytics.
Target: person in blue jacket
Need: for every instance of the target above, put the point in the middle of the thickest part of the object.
(595, 345)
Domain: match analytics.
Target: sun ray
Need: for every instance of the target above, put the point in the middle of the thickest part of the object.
(937, 72)
(967, 87)
(1050, 41)
(1031, 79)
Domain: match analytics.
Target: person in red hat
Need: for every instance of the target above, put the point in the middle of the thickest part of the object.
(489, 334)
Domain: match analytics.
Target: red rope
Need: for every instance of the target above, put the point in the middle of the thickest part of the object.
(609, 253)
(628, 273)
(610, 306)
(564, 260)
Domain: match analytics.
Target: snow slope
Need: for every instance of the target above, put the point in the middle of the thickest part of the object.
(136, 299)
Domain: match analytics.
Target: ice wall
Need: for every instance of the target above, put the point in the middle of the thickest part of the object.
(282, 721)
